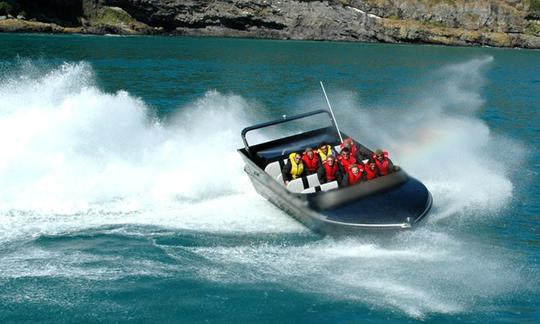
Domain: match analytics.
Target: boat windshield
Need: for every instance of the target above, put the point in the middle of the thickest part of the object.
(290, 128)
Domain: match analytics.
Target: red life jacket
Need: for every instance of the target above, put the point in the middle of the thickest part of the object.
(370, 174)
(331, 171)
(352, 178)
(311, 164)
(384, 165)
(346, 163)
(353, 147)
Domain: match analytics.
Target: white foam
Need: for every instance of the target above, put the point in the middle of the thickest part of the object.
(75, 157)
(67, 146)
(412, 275)
(439, 139)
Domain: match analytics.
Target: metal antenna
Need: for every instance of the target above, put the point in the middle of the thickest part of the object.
(331, 111)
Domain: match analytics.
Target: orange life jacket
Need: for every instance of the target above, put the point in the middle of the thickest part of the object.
(384, 165)
(311, 164)
(352, 178)
(330, 171)
(353, 147)
(370, 174)
(346, 163)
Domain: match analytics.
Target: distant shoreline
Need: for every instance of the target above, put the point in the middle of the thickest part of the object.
(501, 24)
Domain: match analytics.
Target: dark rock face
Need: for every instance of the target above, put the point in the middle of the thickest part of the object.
(509, 23)
(459, 22)
(236, 15)
(267, 18)
(64, 12)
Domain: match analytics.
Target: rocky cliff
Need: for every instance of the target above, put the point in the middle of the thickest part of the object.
(505, 23)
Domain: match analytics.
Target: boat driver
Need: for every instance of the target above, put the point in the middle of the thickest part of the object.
(294, 168)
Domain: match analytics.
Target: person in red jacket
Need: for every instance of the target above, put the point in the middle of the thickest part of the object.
(355, 175)
(384, 164)
(371, 170)
(346, 159)
(349, 143)
(355, 151)
(311, 161)
(329, 171)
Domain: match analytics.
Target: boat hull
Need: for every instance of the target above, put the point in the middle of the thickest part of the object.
(359, 216)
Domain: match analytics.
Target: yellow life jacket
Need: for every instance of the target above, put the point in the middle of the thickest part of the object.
(296, 169)
(324, 156)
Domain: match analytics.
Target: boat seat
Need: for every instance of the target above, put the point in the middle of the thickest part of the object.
(337, 148)
(324, 187)
(311, 190)
(300, 184)
(274, 168)
(329, 186)
(279, 178)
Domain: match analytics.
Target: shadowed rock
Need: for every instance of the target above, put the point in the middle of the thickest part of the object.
(506, 23)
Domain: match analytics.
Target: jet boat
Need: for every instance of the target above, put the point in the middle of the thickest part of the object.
(392, 202)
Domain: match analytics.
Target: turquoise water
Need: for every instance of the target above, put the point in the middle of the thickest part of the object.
(122, 197)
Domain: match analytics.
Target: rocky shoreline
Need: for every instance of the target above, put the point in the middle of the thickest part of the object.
(498, 23)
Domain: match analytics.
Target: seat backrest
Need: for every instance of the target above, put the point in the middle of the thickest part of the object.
(279, 178)
(274, 168)
(311, 190)
(299, 185)
(313, 180)
(337, 148)
(329, 186)
(323, 187)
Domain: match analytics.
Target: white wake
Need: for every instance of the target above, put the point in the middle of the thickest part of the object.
(75, 157)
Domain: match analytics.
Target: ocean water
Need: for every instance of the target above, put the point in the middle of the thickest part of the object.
(122, 197)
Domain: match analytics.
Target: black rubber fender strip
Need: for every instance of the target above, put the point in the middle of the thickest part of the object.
(305, 182)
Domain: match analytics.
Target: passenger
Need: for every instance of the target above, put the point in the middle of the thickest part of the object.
(293, 169)
(311, 161)
(329, 171)
(345, 159)
(384, 164)
(325, 150)
(355, 152)
(349, 143)
(355, 175)
(371, 170)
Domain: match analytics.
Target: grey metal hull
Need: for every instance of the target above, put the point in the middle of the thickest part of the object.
(299, 207)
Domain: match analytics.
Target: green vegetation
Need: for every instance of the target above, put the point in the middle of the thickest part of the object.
(432, 3)
(534, 9)
(441, 1)
(5, 8)
(533, 29)
(115, 19)
(430, 23)
(110, 16)
(113, 16)
(474, 18)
